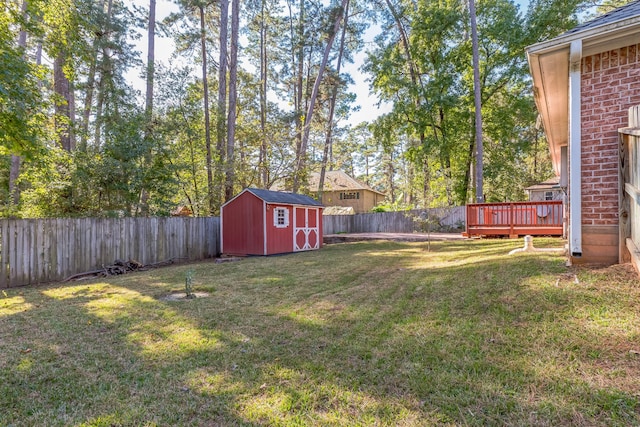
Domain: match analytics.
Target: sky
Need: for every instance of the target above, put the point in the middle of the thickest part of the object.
(368, 102)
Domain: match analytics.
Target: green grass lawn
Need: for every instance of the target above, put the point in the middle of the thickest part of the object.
(372, 333)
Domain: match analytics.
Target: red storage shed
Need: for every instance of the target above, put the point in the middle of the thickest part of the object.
(263, 222)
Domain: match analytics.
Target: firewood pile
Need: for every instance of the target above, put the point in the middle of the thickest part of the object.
(117, 268)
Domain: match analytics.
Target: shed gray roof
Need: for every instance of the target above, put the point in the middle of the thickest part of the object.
(627, 11)
(283, 198)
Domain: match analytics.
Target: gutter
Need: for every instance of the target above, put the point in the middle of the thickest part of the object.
(600, 32)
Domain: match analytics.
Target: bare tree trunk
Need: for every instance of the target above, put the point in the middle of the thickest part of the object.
(390, 174)
(297, 54)
(14, 174)
(328, 142)
(90, 89)
(478, 103)
(71, 100)
(469, 177)
(151, 34)
(233, 97)
(62, 88)
(301, 160)
(88, 98)
(207, 125)
(105, 75)
(415, 78)
(221, 127)
(263, 161)
(148, 109)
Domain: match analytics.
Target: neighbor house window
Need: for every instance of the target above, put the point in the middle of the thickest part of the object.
(281, 217)
(350, 196)
(548, 195)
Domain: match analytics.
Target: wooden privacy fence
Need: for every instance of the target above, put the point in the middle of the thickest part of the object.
(629, 191)
(515, 219)
(419, 220)
(45, 250)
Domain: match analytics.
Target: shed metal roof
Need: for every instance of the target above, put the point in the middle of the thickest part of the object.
(283, 198)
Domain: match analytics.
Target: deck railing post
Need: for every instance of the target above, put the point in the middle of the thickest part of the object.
(511, 219)
(514, 218)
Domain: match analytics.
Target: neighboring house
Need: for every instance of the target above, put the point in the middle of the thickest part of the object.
(182, 211)
(263, 222)
(547, 190)
(585, 81)
(342, 190)
(338, 210)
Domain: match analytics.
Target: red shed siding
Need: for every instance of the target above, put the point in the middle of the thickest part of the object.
(243, 226)
(279, 240)
(610, 85)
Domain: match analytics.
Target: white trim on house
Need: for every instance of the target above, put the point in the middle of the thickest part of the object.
(592, 37)
(575, 150)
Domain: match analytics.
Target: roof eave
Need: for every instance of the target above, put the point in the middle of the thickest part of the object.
(588, 36)
(551, 100)
(551, 93)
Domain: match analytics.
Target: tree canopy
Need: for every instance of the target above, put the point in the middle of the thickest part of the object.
(257, 93)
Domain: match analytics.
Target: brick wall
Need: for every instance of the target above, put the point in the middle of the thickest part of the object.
(610, 85)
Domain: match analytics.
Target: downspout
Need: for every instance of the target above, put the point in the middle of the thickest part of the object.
(575, 151)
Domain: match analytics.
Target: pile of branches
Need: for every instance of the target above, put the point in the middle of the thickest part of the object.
(118, 267)
(121, 267)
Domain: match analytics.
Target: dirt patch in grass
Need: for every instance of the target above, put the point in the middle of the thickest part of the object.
(182, 296)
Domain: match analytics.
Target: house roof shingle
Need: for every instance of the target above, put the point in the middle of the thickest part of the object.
(552, 183)
(337, 181)
(627, 11)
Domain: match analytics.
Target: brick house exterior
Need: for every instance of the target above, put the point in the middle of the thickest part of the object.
(610, 86)
(585, 81)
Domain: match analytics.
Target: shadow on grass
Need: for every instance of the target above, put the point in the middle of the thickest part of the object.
(366, 333)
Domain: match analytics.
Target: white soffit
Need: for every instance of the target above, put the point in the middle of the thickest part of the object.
(551, 82)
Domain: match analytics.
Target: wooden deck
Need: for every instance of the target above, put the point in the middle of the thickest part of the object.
(515, 219)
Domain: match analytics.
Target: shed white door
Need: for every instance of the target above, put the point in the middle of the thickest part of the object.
(306, 233)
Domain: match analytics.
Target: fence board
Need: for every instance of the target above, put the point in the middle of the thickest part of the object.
(44, 250)
(436, 219)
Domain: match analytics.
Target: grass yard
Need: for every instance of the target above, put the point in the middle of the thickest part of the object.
(360, 334)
